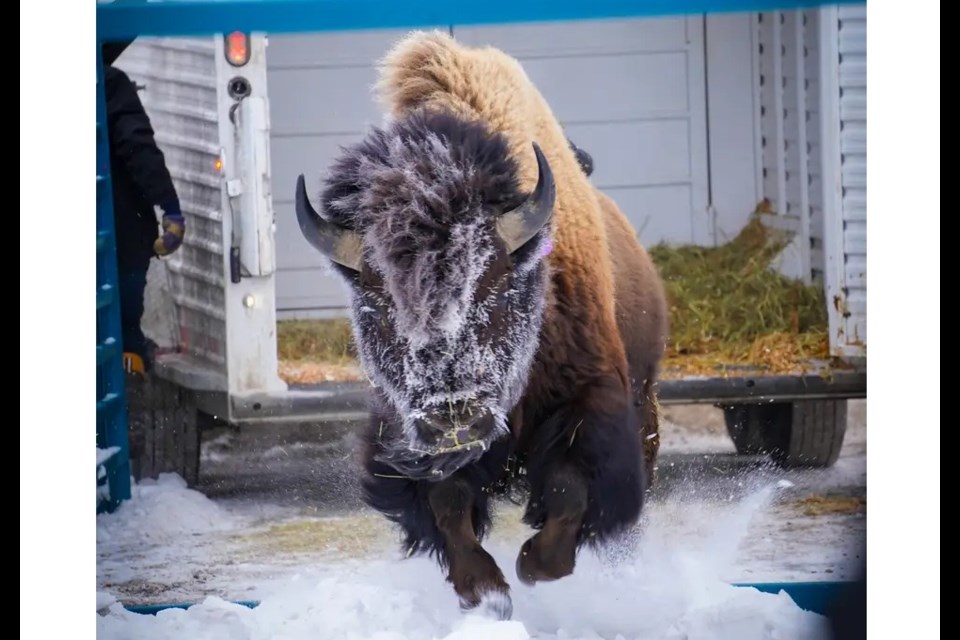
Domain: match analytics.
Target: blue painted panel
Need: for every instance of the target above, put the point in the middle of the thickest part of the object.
(118, 20)
(111, 402)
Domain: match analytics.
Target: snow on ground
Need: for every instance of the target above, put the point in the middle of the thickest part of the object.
(660, 586)
(278, 518)
(163, 509)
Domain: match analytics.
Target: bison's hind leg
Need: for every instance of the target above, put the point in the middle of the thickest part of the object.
(585, 467)
(649, 407)
(551, 553)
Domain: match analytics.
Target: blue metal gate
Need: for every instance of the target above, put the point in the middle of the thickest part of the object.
(113, 486)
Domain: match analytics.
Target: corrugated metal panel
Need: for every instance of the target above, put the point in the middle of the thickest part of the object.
(180, 96)
(856, 271)
(852, 31)
(843, 48)
(855, 176)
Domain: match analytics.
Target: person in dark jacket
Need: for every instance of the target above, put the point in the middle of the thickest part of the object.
(141, 183)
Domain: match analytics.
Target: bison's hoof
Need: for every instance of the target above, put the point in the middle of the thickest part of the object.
(479, 582)
(535, 564)
(495, 604)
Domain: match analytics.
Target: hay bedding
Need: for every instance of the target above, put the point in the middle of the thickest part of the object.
(730, 311)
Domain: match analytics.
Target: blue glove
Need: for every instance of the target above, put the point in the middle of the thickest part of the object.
(174, 226)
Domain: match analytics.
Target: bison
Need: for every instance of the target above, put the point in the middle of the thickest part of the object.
(509, 321)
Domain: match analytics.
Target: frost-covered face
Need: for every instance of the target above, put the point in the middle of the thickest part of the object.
(444, 259)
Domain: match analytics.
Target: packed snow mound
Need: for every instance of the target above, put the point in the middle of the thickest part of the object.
(162, 509)
(653, 585)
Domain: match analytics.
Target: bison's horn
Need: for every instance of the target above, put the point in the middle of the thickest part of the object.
(516, 227)
(336, 243)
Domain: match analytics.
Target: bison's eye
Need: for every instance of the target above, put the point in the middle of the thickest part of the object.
(373, 308)
(503, 300)
(370, 312)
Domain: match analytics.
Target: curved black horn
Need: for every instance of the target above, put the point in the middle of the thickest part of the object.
(516, 227)
(336, 243)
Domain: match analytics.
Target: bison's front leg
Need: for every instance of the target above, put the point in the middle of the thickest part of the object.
(447, 519)
(473, 572)
(586, 472)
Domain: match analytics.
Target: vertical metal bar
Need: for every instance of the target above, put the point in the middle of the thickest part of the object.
(757, 103)
(111, 394)
(833, 274)
(778, 113)
(802, 153)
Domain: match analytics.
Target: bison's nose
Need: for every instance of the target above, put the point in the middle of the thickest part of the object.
(455, 414)
(454, 425)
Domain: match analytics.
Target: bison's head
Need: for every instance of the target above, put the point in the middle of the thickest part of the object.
(443, 257)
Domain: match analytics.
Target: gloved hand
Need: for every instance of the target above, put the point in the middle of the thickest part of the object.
(174, 226)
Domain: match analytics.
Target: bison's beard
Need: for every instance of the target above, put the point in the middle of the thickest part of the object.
(421, 465)
(411, 457)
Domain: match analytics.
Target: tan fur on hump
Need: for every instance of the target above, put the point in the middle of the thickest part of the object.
(431, 69)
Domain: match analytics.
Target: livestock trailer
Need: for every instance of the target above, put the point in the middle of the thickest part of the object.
(691, 120)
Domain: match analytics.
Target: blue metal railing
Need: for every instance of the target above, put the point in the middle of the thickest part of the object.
(111, 399)
(825, 598)
(123, 20)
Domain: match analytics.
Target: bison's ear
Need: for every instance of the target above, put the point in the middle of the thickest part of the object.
(584, 158)
(335, 242)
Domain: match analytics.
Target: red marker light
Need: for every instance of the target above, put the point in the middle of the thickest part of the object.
(238, 48)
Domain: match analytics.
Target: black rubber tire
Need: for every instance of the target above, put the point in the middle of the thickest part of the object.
(814, 435)
(164, 434)
(806, 433)
(749, 425)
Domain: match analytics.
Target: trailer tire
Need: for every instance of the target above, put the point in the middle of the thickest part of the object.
(804, 433)
(164, 431)
(749, 424)
(814, 435)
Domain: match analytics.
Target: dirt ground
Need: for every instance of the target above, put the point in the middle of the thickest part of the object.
(292, 497)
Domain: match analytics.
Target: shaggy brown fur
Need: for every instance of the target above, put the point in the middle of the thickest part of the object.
(643, 319)
(591, 395)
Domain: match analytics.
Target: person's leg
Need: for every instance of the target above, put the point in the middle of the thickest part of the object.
(136, 357)
(132, 284)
